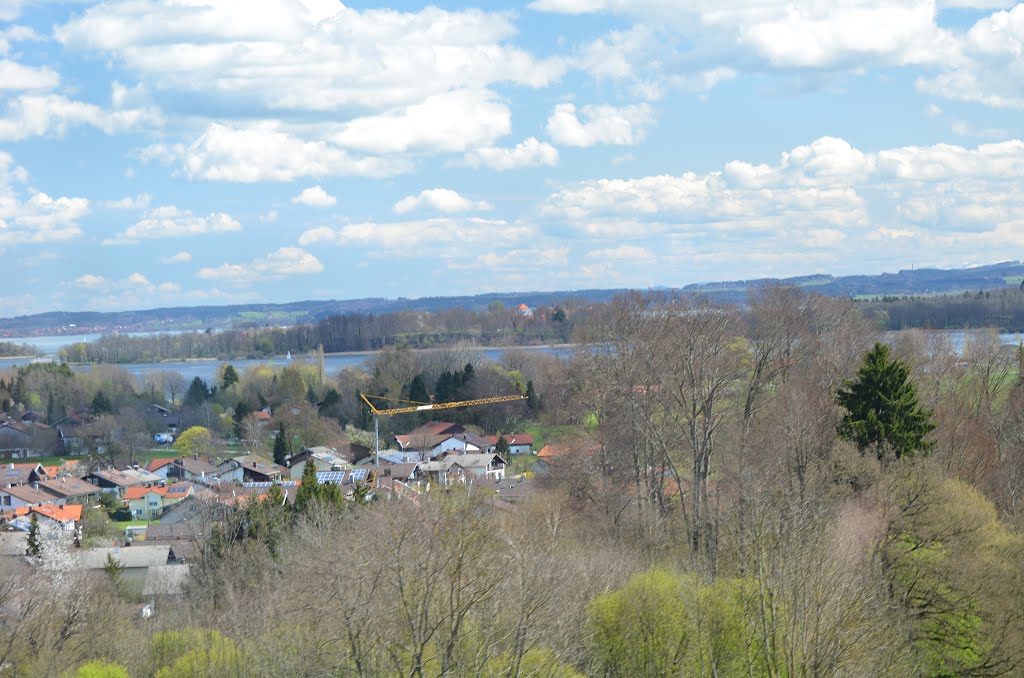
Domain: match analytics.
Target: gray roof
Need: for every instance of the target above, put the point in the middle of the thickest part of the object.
(67, 486)
(28, 494)
(13, 543)
(195, 466)
(127, 556)
(472, 460)
(128, 477)
(165, 580)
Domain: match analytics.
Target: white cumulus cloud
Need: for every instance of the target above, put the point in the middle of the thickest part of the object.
(622, 126)
(285, 262)
(31, 216)
(442, 200)
(182, 257)
(529, 153)
(414, 238)
(172, 222)
(315, 196)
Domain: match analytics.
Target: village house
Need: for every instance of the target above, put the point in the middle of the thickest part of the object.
(184, 538)
(160, 466)
(518, 443)
(149, 503)
(251, 468)
(23, 474)
(191, 468)
(66, 489)
(23, 439)
(23, 496)
(114, 481)
(69, 432)
(325, 459)
(464, 468)
(50, 517)
(434, 446)
(135, 561)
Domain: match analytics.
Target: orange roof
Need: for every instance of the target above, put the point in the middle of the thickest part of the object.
(157, 464)
(52, 471)
(138, 492)
(57, 513)
(73, 510)
(547, 452)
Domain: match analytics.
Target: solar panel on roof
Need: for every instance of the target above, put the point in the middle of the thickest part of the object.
(286, 483)
(330, 477)
(358, 475)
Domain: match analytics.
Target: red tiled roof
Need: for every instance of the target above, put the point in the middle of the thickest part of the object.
(140, 492)
(156, 464)
(435, 428)
(57, 513)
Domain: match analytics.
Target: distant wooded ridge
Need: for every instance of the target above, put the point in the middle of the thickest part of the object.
(914, 282)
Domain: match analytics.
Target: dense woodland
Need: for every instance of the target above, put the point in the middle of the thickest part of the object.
(9, 349)
(1002, 309)
(757, 491)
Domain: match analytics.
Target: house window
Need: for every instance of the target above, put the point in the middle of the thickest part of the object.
(7, 500)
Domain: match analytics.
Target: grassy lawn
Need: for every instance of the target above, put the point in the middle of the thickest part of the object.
(121, 524)
(520, 463)
(542, 435)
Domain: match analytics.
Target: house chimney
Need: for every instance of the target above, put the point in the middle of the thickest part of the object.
(35, 486)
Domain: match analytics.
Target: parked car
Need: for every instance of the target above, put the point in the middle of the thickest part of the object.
(163, 438)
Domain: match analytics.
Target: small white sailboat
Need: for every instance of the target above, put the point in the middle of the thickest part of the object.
(289, 356)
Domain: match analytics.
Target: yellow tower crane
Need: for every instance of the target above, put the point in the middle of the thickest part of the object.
(413, 406)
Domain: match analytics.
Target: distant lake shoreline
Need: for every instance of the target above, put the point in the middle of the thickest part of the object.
(206, 368)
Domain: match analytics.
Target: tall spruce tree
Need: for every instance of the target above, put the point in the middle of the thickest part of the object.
(309, 490)
(34, 545)
(197, 393)
(281, 447)
(882, 410)
(228, 377)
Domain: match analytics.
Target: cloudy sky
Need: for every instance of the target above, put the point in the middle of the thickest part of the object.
(184, 152)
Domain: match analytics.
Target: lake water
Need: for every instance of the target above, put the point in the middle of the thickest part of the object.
(207, 369)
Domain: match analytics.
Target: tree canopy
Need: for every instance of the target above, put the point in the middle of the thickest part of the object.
(882, 409)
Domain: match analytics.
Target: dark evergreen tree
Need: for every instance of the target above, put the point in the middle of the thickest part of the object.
(101, 403)
(229, 377)
(281, 447)
(242, 410)
(418, 390)
(502, 448)
(309, 491)
(51, 410)
(197, 392)
(447, 386)
(532, 399)
(882, 410)
(34, 545)
(467, 374)
(311, 395)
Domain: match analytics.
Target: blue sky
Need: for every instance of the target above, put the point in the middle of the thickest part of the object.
(188, 152)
